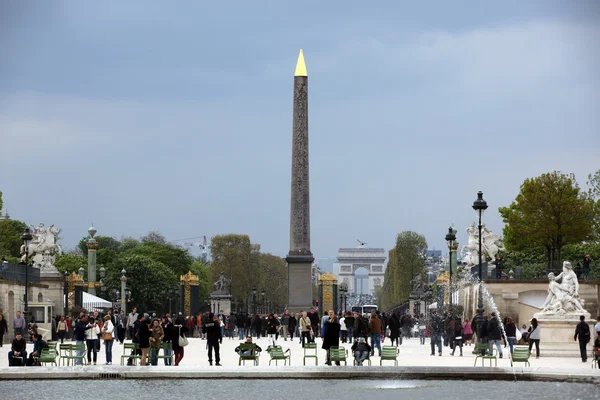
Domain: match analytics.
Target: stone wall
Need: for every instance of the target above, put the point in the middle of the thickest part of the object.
(521, 299)
(12, 293)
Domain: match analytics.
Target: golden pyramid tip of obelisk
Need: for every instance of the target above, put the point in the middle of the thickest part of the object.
(300, 65)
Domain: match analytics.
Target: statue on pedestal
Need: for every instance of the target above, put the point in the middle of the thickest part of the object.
(563, 296)
(491, 244)
(42, 247)
(222, 285)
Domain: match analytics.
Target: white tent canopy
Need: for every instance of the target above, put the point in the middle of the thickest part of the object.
(91, 302)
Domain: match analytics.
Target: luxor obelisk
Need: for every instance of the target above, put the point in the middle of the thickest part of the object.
(300, 258)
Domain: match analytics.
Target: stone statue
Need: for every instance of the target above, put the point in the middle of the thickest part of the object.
(563, 296)
(222, 285)
(42, 247)
(490, 245)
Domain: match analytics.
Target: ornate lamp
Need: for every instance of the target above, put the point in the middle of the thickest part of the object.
(450, 238)
(480, 205)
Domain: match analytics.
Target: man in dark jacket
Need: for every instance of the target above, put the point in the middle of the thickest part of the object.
(79, 334)
(18, 349)
(213, 338)
(360, 327)
(436, 328)
(582, 332)
(495, 334)
(241, 325)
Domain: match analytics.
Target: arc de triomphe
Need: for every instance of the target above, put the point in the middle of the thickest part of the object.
(372, 259)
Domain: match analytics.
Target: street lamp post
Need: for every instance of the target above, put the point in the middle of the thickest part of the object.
(123, 291)
(263, 300)
(254, 300)
(66, 304)
(450, 238)
(102, 275)
(26, 238)
(480, 205)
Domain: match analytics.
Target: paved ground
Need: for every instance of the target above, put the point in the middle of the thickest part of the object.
(412, 354)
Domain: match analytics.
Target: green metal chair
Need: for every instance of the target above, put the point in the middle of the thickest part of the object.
(132, 347)
(338, 354)
(47, 356)
(248, 352)
(482, 351)
(75, 348)
(64, 351)
(389, 353)
(277, 354)
(310, 351)
(165, 347)
(520, 354)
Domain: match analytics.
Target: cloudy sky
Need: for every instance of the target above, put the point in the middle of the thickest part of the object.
(176, 116)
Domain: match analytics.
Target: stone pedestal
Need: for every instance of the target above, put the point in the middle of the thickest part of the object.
(299, 283)
(220, 302)
(556, 337)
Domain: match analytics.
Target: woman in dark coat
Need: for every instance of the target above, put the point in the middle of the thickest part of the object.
(177, 331)
(144, 341)
(332, 337)
(394, 324)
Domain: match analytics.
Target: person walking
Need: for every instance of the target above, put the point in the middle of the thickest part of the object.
(457, 335)
(213, 339)
(285, 323)
(61, 329)
(467, 332)
(293, 323)
(582, 332)
(436, 327)
(376, 328)
(3, 328)
(511, 334)
(240, 322)
(495, 334)
(107, 335)
(533, 337)
(273, 326)
(306, 329)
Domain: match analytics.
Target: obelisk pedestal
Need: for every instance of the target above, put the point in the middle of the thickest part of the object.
(300, 258)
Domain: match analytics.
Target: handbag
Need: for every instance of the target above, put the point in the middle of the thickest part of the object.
(182, 340)
(107, 336)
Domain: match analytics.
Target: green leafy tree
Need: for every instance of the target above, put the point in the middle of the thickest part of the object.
(549, 212)
(147, 279)
(1, 203)
(238, 259)
(10, 237)
(274, 277)
(407, 260)
(71, 262)
(177, 259)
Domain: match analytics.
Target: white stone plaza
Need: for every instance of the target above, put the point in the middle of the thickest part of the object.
(412, 354)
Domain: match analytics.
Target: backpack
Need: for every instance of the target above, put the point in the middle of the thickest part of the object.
(585, 335)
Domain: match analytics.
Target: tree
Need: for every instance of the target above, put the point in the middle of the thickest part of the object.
(1, 203)
(407, 260)
(235, 256)
(71, 262)
(147, 279)
(10, 237)
(550, 212)
(177, 259)
(274, 278)
(593, 183)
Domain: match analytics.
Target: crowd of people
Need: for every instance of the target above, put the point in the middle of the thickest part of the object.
(365, 333)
